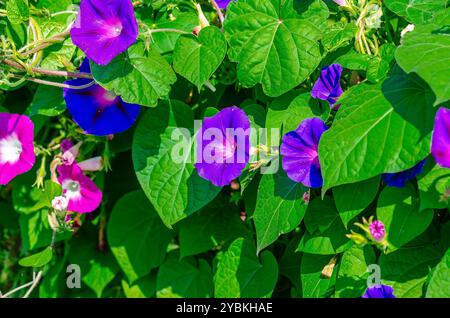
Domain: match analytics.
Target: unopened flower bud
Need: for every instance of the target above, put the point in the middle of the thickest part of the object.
(60, 203)
(377, 230)
(409, 28)
(357, 238)
(53, 221)
(201, 17)
(93, 164)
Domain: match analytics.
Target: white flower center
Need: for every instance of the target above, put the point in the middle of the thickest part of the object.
(71, 189)
(10, 149)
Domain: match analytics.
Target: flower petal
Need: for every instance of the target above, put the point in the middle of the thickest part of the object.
(299, 149)
(221, 173)
(440, 145)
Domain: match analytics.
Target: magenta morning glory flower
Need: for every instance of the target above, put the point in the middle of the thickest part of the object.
(379, 291)
(377, 230)
(223, 146)
(399, 179)
(223, 4)
(104, 29)
(299, 149)
(327, 86)
(82, 193)
(96, 110)
(16, 146)
(440, 144)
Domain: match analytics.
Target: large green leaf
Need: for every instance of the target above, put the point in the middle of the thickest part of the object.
(273, 43)
(379, 128)
(58, 55)
(425, 52)
(279, 207)
(432, 186)
(35, 231)
(439, 286)
(325, 233)
(289, 264)
(98, 268)
(241, 274)
(137, 236)
(406, 270)
(314, 284)
(47, 101)
(174, 188)
(416, 11)
(352, 277)
(398, 209)
(138, 76)
(197, 58)
(215, 224)
(351, 199)
(144, 287)
(17, 11)
(184, 279)
(165, 42)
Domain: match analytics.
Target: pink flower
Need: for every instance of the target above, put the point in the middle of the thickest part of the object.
(93, 164)
(83, 194)
(377, 230)
(60, 203)
(16, 146)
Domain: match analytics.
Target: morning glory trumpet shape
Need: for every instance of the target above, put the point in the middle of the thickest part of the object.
(223, 146)
(96, 110)
(399, 179)
(299, 149)
(104, 29)
(82, 193)
(328, 87)
(16, 146)
(440, 143)
(379, 291)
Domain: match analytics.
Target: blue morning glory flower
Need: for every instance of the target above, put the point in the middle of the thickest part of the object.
(379, 291)
(399, 179)
(96, 110)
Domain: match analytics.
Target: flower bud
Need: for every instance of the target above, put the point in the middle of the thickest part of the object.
(357, 238)
(60, 203)
(377, 230)
(93, 164)
(53, 221)
(409, 28)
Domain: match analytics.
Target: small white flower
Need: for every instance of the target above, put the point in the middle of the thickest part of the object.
(60, 203)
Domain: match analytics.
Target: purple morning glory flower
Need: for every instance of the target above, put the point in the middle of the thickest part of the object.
(223, 146)
(440, 144)
(299, 149)
(379, 291)
(327, 86)
(223, 4)
(399, 179)
(97, 111)
(377, 230)
(104, 29)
